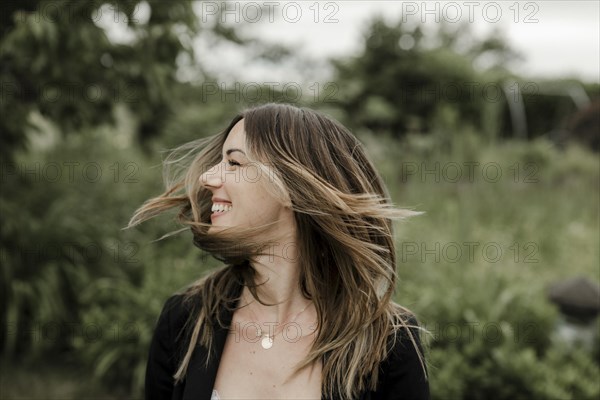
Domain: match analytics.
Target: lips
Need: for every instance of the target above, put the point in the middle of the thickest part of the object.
(216, 215)
(220, 207)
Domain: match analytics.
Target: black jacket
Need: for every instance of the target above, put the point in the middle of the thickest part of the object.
(401, 374)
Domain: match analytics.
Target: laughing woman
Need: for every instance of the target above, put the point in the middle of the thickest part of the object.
(303, 306)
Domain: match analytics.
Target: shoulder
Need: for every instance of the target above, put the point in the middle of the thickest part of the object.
(404, 370)
(178, 307)
(181, 310)
(174, 326)
(175, 316)
(406, 343)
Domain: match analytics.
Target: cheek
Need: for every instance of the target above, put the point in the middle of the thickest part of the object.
(262, 210)
(257, 204)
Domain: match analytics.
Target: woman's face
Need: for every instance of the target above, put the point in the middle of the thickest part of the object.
(239, 196)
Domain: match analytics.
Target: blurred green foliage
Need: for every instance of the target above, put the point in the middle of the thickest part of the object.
(403, 80)
(75, 281)
(77, 288)
(57, 60)
(492, 327)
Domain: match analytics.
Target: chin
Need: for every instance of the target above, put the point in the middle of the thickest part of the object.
(217, 227)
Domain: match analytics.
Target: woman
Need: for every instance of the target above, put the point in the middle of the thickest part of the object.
(302, 308)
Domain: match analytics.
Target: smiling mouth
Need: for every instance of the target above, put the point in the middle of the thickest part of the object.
(217, 214)
(220, 209)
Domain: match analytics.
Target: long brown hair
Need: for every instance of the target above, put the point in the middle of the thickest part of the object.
(343, 216)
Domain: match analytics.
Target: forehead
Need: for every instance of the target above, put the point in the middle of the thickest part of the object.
(236, 137)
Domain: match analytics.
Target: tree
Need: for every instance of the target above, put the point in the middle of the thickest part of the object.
(57, 59)
(403, 78)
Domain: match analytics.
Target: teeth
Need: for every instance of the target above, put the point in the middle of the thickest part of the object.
(221, 207)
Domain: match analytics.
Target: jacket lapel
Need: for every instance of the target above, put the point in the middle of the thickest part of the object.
(200, 378)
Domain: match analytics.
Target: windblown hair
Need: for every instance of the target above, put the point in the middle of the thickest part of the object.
(343, 216)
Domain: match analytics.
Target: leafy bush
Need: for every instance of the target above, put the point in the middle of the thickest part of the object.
(490, 321)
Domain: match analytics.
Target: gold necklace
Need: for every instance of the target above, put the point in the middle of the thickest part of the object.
(267, 340)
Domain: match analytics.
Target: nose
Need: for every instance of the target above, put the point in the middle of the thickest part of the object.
(212, 178)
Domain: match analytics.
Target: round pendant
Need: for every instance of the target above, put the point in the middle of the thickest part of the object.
(266, 342)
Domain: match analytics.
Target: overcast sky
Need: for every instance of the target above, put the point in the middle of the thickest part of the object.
(557, 38)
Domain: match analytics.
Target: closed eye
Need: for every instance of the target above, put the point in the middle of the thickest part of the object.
(233, 163)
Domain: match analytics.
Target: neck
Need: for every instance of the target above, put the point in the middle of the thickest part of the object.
(277, 275)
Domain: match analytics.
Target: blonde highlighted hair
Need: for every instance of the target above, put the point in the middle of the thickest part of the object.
(343, 216)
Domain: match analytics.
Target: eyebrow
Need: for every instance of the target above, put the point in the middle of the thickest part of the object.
(228, 152)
